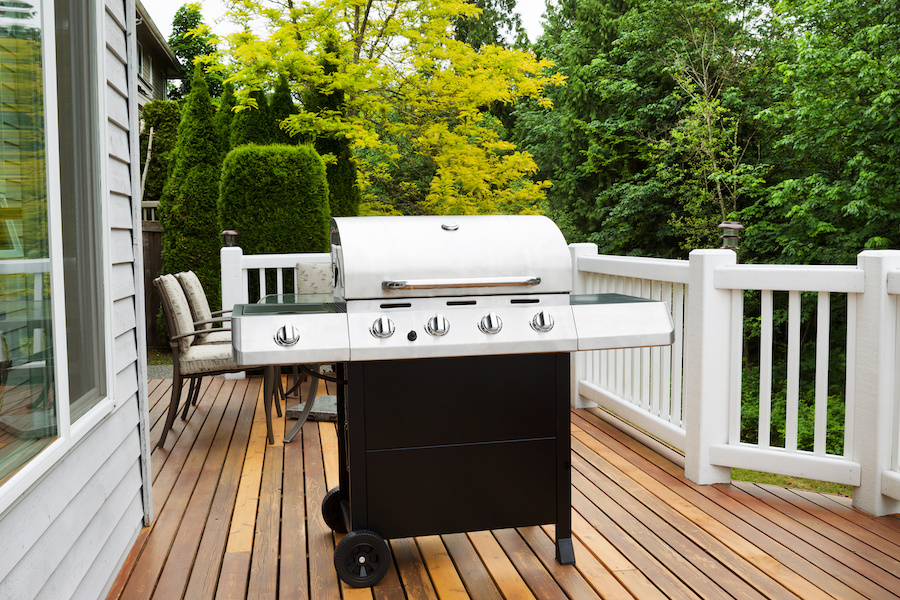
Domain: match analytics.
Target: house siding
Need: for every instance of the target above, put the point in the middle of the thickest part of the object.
(68, 536)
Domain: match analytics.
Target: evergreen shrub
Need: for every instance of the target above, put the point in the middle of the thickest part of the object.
(187, 209)
(276, 198)
(253, 125)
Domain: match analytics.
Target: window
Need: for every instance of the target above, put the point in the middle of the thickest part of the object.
(30, 417)
(76, 74)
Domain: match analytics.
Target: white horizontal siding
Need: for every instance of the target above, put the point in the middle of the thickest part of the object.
(39, 530)
(69, 534)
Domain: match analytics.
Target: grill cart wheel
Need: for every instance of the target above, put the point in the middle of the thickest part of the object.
(362, 558)
(331, 511)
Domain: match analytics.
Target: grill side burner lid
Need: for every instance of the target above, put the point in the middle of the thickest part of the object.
(427, 256)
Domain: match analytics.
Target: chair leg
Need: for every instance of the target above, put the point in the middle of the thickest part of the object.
(279, 394)
(197, 392)
(177, 382)
(193, 394)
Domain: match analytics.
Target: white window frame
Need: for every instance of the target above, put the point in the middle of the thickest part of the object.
(69, 434)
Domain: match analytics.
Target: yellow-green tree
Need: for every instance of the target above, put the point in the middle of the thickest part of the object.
(407, 84)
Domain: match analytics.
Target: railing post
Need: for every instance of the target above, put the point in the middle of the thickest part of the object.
(233, 289)
(706, 366)
(875, 402)
(578, 364)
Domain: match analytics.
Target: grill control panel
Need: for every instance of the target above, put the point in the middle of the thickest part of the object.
(451, 327)
(445, 327)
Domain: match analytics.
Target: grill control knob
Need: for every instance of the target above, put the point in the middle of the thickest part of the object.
(437, 325)
(287, 335)
(490, 323)
(542, 322)
(383, 327)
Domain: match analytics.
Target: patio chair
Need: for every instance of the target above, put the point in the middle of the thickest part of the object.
(192, 360)
(204, 319)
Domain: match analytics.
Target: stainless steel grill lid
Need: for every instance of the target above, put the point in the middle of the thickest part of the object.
(428, 256)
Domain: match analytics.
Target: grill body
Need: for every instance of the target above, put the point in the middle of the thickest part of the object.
(452, 444)
(452, 340)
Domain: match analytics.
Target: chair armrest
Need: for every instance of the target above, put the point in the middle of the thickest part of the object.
(221, 312)
(215, 320)
(196, 332)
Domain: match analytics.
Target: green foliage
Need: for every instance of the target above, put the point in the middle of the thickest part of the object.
(407, 82)
(253, 124)
(223, 118)
(335, 147)
(163, 117)
(276, 198)
(187, 208)
(188, 40)
(282, 108)
(840, 121)
(496, 21)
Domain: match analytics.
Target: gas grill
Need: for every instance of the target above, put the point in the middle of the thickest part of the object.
(451, 338)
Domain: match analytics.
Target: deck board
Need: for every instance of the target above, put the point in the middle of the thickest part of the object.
(239, 518)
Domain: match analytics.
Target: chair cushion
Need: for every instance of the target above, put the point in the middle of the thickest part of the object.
(314, 278)
(181, 311)
(204, 358)
(200, 310)
(193, 289)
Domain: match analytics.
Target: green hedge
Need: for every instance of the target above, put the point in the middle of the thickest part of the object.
(276, 198)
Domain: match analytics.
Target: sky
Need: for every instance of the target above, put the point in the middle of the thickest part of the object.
(162, 12)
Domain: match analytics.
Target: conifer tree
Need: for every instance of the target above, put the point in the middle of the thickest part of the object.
(341, 169)
(188, 206)
(253, 125)
(282, 107)
(224, 117)
(187, 46)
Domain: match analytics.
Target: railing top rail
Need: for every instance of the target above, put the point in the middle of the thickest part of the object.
(656, 269)
(803, 278)
(282, 261)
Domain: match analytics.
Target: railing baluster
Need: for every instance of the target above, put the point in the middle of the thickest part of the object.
(765, 369)
(793, 373)
(823, 324)
(850, 386)
(737, 339)
(680, 302)
(665, 363)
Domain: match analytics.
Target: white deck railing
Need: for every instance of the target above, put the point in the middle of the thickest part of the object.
(689, 396)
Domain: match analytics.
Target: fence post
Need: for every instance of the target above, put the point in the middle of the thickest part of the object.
(578, 364)
(706, 366)
(233, 289)
(875, 402)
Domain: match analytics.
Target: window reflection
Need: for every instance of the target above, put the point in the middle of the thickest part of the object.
(27, 393)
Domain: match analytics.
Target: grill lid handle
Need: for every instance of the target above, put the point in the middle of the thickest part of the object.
(478, 282)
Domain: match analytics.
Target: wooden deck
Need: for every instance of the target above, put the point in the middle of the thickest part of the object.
(237, 518)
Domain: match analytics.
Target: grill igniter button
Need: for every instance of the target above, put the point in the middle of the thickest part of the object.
(542, 322)
(490, 323)
(287, 335)
(382, 328)
(437, 325)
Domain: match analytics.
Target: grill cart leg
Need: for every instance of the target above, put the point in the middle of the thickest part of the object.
(565, 553)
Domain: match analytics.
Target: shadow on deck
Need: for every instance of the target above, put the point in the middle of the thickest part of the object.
(237, 518)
